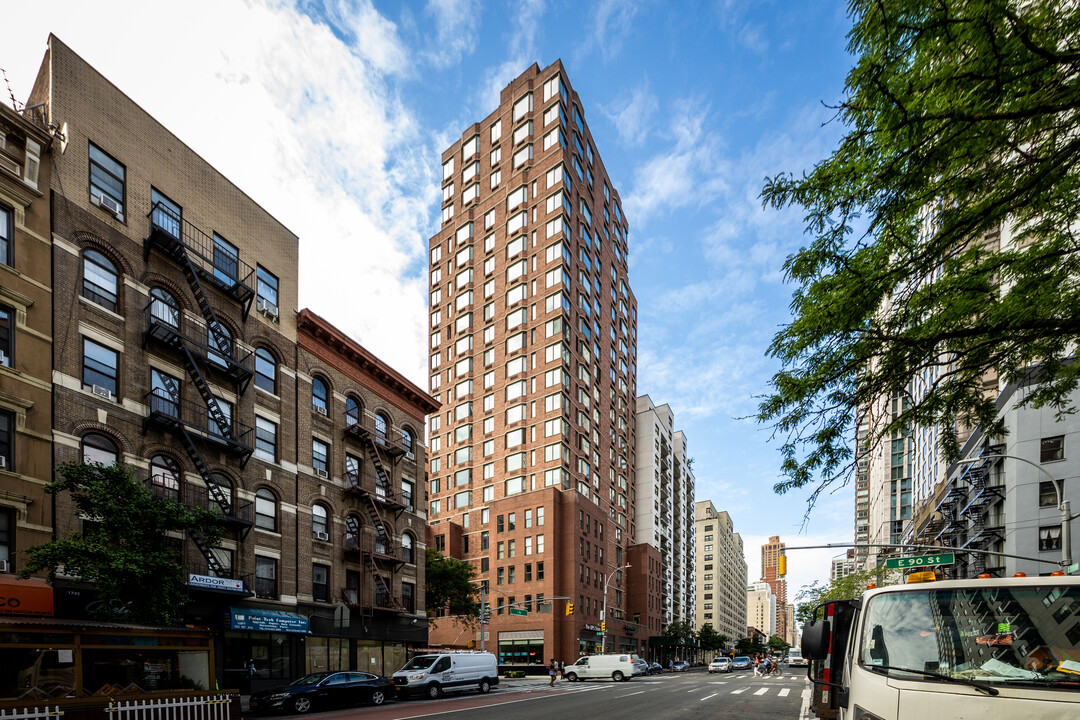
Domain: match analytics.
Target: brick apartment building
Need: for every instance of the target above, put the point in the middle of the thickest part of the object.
(25, 334)
(176, 351)
(770, 573)
(533, 356)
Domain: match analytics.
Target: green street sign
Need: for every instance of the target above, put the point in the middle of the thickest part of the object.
(920, 561)
(518, 611)
(1074, 567)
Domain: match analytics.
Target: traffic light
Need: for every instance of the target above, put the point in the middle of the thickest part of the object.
(603, 627)
(569, 608)
(781, 565)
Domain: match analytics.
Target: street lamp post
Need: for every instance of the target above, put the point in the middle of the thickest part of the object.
(603, 607)
(1063, 504)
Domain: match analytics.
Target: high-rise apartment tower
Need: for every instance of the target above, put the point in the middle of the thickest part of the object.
(770, 573)
(533, 355)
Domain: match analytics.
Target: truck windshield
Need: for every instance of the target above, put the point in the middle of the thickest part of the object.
(997, 635)
(420, 662)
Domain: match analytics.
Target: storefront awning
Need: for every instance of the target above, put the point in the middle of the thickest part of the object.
(25, 597)
(267, 620)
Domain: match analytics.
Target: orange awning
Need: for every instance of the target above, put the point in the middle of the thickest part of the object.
(25, 597)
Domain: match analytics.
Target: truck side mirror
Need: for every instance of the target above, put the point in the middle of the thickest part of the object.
(815, 639)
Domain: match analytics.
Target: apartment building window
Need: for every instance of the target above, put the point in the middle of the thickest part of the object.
(265, 371)
(99, 449)
(226, 261)
(320, 456)
(500, 576)
(352, 411)
(1048, 496)
(266, 288)
(382, 427)
(265, 577)
(320, 583)
(440, 543)
(320, 522)
(266, 510)
(408, 596)
(7, 538)
(164, 308)
(100, 280)
(407, 494)
(7, 336)
(265, 439)
(99, 367)
(212, 426)
(7, 234)
(7, 440)
(1050, 538)
(484, 540)
(320, 396)
(407, 545)
(1052, 449)
(164, 477)
(106, 180)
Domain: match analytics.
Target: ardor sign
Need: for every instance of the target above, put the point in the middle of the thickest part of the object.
(920, 561)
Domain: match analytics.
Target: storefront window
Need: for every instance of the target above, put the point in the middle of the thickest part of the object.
(327, 654)
(110, 671)
(268, 651)
(521, 652)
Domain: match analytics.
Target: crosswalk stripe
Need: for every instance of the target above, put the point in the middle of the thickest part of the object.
(740, 690)
(784, 692)
(710, 696)
(762, 691)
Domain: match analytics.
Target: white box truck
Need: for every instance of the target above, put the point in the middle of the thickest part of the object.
(591, 667)
(988, 648)
(433, 674)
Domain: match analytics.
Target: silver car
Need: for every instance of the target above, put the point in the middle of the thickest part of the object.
(740, 663)
(721, 665)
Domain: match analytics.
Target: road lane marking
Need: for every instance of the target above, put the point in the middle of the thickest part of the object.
(784, 692)
(709, 696)
(718, 682)
(695, 689)
(740, 690)
(762, 691)
(620, 697)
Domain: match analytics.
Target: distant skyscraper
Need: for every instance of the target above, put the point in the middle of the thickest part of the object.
(761, 608)
(843, 565)
(721, 571)
(770, 573)
(533, 355)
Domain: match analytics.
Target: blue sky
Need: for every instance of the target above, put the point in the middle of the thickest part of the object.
(333, 116)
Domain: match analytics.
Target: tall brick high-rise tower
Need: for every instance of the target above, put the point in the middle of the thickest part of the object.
(533, 355)
(770, 564)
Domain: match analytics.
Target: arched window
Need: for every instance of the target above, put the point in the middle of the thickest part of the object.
(320, 396)
(266, 510)
(352, 532)
(99, 449)
(407, 548)
(320, 523)
(215, 353)
(382, 539)
(164, 308)
(382, 426)
(100, 280)
(224, 484)
(265, 371)
(352, 410)
(408, 442)
(164, 477)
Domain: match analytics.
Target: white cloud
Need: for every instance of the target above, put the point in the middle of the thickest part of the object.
(632, 116)
(612, 23)
(371, 36)
(456, 24)
(522, 53)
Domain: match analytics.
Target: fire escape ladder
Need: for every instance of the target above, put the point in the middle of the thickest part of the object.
(212, 488)
(380, 533)
(224, 425)
(223, 342)
(212, 561)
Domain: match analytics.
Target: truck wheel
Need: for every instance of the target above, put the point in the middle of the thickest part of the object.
(434, 691)
(571, 677)
(485, 686)
(617, 676)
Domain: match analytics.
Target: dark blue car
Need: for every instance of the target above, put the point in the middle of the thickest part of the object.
(324, 690)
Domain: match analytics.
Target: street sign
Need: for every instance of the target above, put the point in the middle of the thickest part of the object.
(518, 611)
(920, 561)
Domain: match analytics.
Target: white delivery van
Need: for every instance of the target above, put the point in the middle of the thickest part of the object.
(616, 667)
(437, 673)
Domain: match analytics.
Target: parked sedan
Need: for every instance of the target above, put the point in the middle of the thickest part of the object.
(324, 690)
(655, 668)
(741, 662)
(681, 666)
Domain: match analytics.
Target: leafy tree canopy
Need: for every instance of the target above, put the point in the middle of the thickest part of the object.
(125, 551)
(709, 639)
(679, 633)
(746, 646)
(777, 643)
(942, 230)
(852, 586)
(448, 585)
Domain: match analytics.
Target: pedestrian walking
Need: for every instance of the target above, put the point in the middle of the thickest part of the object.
(553, 668)
(757, 666)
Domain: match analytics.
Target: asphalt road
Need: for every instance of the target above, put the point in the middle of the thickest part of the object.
(694, 694)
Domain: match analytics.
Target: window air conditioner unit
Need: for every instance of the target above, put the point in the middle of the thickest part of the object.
(321, 473)
(267, 308)
(4, 567)
(324, 536)
(109, 204)
(3, 463)
(319, 409)
(4, 360)
(102, 392)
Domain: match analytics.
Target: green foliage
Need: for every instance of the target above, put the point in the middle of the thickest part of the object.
(126, 551)
(448, 584)
(746, 646)
(777, 643)
(679, 633)
(709, 639)
(852, 586)
(961, 122)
